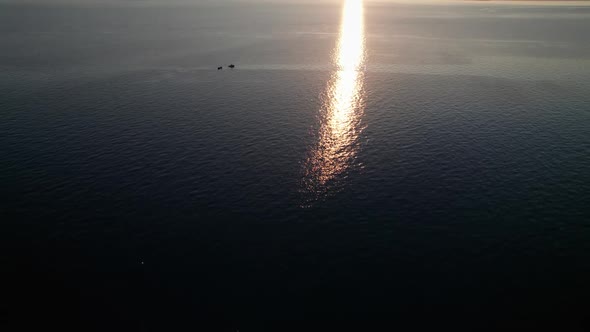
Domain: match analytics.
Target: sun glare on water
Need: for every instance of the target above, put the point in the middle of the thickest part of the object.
(341, 113)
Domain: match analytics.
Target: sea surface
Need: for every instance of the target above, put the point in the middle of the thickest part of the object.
(362, 161)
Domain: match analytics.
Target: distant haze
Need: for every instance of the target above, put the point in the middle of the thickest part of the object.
(168, 2)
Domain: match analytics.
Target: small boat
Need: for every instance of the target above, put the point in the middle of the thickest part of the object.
(219, 68)
(232, 66)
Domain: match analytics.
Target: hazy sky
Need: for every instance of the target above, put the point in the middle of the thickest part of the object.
(169, 2)
(158, 1)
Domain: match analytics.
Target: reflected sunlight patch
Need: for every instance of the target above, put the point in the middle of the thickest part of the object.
(340, 116)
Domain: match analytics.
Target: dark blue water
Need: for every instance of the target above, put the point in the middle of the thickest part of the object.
(142, 189)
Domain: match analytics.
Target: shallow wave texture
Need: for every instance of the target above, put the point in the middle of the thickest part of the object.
(362, 162)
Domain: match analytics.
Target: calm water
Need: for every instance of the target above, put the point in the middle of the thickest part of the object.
(362, 161)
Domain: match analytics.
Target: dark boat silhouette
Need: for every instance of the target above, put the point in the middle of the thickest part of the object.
(232, 66)
(219, 68)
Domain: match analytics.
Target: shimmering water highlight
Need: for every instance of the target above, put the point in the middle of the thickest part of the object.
(341, 115)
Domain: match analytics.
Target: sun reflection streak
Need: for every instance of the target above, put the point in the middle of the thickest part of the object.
(340, 116)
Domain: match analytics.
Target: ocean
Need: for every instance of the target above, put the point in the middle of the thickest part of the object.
(363, 161)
